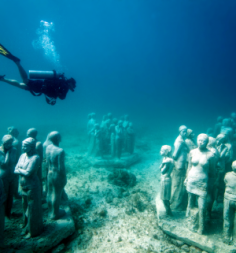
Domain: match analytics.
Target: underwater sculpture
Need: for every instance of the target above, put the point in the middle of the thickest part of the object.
(112, 140)
(130, 138)
(27, 168)
(179, 194)
(56, 179)
(223, 157)
(229, 203)
(201, 162)
(119, 138)
(112, 145)
(32, 132)
(166, 168)
(15, 133)
(2, 213)
(91, 122)
(96, 142)
(7, 165)
(227, 129)
(125, 125)
(213, 179)
(190, 139)
(218, 126)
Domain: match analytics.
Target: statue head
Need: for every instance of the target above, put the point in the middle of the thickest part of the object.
(115, 121)
(97, 126)
(234, 166)
(32, 132)
(109, 115)
(165, 150)
(202, 141)
(28, 145)
(13, 131)
(130, 124)
(183, 131)
(120, 122)
(112, 128)
(226, 122)
(221, 139)
(219, 119)
(211, 142)
(93, 115)
(233, 115)
(126, 117)
(104, 117)
(210, 131)
(89, 116)
(54, 137)
(190, 134)
(7, 141)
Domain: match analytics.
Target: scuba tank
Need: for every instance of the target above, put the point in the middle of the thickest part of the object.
(38, 74)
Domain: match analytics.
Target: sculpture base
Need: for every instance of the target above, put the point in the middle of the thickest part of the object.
(53, 232)
(107, 161)
(177, 226)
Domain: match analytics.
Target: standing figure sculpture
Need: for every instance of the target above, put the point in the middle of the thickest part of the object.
(227, 129)
(91, 122)
(32, 132)
(218, 125)
(17, 145)
(190, 139)
(119, 138)
(223, 157)
(125, 125)
(7, 165)
(166, 169)
(112, 140)
(213, 176)
(55, 159)
(2, 213)
(179, 194)
(229, 203)
(130, 138)
(27, 168)
(201, 162)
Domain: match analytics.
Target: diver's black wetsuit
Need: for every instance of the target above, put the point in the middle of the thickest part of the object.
(50, 87)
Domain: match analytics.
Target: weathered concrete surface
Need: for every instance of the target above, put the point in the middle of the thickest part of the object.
(125, 161)
(53, 232)
(177, 227)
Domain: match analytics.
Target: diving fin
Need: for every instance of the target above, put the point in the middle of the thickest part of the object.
(6, 53)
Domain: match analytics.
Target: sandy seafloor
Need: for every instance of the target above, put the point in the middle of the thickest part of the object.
(109, 218)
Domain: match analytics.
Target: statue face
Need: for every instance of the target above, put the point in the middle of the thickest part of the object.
(25, 147)
(183, 133)
(162, 152)
(202, 141)
(8, 144)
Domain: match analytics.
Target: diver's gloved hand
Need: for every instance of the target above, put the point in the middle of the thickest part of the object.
(2, 78)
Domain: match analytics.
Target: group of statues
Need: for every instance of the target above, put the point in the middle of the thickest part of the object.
(198, 174)
(24, 170)
(111, 137)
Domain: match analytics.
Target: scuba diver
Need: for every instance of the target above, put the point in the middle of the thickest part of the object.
(49, 83)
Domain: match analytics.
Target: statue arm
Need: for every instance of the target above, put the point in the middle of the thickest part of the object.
(189, 164)
(178, 146)
(61, 162)
(4, 159)
(164, 169)
(31, 168)
(223, 152)
(39, 149)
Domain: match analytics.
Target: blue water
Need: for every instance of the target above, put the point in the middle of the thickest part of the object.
(163, 62)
